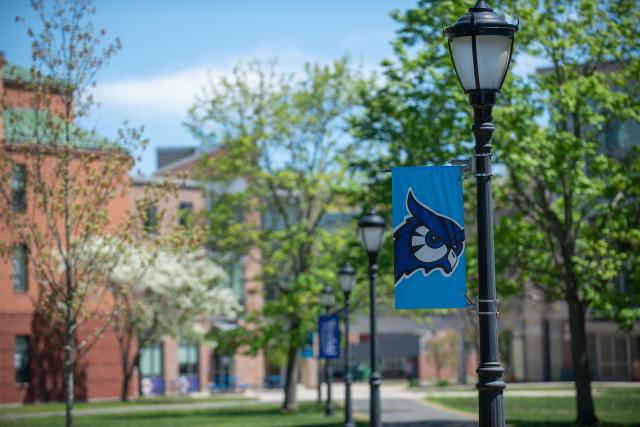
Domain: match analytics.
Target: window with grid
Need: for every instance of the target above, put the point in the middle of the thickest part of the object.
(151, 360)
(151, 219)
(188, 358)
(20, 271)
(185, 213)
(21, 359)
(19, 188)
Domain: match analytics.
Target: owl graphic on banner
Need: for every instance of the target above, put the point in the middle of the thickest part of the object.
(428, 237)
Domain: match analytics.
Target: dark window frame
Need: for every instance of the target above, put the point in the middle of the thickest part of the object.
(185, 212)
(20, 281)
(21, 372)
(19, 188)
(151, 219)
(189, 367)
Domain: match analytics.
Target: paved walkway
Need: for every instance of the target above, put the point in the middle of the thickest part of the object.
(413, 413)
(401, 407)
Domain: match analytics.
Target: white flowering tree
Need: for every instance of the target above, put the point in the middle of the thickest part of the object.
(163, 292)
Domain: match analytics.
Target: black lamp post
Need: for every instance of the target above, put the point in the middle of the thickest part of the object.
(327, 300)
(371, 229)
(480, 43)
(347, 279)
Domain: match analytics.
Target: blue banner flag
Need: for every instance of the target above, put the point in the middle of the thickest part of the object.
(307, 348)
(329, 336)
(428, 238)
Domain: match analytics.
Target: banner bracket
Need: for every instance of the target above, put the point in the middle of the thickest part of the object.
(476, 305)
(468, 167)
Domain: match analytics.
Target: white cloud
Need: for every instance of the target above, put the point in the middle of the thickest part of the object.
(173, 93)
(168, 93)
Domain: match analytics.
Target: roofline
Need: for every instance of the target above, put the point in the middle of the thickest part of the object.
(180, 162)
(183, 183)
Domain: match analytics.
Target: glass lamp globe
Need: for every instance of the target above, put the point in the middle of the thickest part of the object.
(481, 43)
(347, 278)
(327, 297)
(371, 230)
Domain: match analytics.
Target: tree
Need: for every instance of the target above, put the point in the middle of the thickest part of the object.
(568, 206)
(285, 136)
(574, 194)
(443, 350)
(162, 292)
(75, 180)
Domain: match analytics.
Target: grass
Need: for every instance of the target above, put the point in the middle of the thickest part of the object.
(59, 406)
(244, 415)
(614, 407)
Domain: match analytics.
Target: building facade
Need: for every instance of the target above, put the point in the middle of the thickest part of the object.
(31, 356)
(173, 365)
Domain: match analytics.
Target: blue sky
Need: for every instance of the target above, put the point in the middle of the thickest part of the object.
(168, 45)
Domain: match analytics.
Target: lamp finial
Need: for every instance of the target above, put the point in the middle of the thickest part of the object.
(481, 5)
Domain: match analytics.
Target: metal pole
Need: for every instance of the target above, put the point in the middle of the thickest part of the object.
(330, 409)
(328, 374)
(348, 377)
(375, 378)
(490, 383)
(320, 380)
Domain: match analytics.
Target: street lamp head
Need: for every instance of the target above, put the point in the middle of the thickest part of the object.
(481, 43)
(347, 278)
(327, 297)
(371, 228)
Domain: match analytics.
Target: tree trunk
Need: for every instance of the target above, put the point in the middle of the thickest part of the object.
(580, 357)
(127, 374)
(68, 372)
(291, 380)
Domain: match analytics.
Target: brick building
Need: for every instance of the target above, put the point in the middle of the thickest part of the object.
(30, 352)
(165, 365)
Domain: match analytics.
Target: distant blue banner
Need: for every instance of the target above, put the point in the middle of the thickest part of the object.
(329, 336)
(307, 348)
(428, 238)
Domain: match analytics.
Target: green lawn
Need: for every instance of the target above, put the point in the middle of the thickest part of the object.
(614, 407)
(58, 406)
(250, 415)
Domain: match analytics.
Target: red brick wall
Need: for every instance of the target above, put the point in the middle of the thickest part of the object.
(98, 373)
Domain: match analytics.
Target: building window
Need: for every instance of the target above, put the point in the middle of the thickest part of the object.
(151, 219)
(235, 274)
(151, 360)
(19, 188)
(21, 359)
(20, 273)
(185, 212)
(188, 358)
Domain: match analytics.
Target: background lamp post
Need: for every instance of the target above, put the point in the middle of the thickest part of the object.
(481, 43)
(371, 230)
(327, 300)
(347, 280)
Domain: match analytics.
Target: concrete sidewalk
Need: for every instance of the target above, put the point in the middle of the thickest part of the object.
(413, 413)
(401, 406)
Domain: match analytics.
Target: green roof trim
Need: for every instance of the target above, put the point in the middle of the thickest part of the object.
(16, 73)
(25, 126)
(22, 75)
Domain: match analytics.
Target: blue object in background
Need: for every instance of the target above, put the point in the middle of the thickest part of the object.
(428, 238)
(307, 349)
(329, 336)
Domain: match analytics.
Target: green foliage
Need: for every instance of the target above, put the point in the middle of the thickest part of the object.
(279, 145)
(572, 185)
(567, 208)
